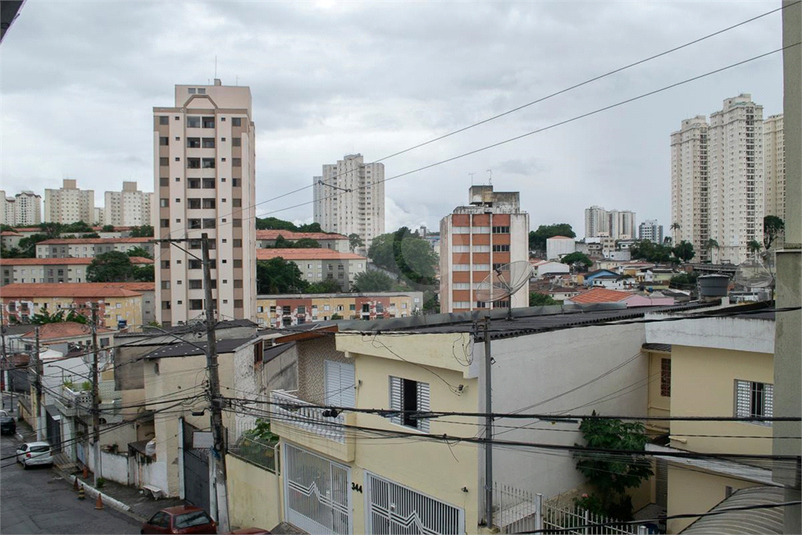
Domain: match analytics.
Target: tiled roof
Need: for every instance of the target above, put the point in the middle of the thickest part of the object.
(560, 238)
(291, 235)
(10, 233)
(72, 289)
(93, 241)
(600, 295)
(306, 254)
(64, 329)
(62, 261)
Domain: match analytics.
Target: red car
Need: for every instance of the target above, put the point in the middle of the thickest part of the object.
(181, 519)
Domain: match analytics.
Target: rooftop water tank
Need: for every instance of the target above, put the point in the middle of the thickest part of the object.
(713, 285)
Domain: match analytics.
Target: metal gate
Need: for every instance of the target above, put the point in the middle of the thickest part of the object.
(317, 491)
(394, 508)
(196, 471)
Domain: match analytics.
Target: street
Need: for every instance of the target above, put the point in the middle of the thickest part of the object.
(37, 500)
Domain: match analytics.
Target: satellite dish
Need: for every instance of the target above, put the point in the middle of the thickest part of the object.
(503, 282)
(753, 274)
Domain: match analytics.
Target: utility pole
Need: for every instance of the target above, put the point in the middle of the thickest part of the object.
(488, 428)
(216, 470)
(95, 398)
(40, 409)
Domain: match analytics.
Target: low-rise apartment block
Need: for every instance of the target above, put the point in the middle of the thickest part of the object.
(120, 304)
(336, 242)
(317, 265)
(89, 247)
(296, 309)
(66, 270)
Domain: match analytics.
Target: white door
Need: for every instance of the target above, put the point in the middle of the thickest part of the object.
(340, 384)
(317, 492)
(394, 509)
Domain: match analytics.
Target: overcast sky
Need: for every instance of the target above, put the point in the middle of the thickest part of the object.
(328, 78)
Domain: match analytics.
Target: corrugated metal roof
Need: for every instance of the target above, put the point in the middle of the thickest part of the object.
(755, 521)
(665, 348)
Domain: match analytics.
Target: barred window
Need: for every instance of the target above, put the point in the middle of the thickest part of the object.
(665, 377)
(754, 399)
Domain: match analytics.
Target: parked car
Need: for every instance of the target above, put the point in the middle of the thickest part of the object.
(35, 453)
(7, 424)
(181, 519)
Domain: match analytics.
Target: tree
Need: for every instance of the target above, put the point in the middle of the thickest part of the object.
(145, 273)
(754, 246)
(112, 266)
(355, 241)
(405, 254)
(27, 246)
(279, 276)
(145, 231)
(326, 286)
(651, 252)
(684, 281)
(77, 227)
(773, 227)
(431, 302)
(46, 317)
(540, 300)
(107, 228)
(684, 251)
(274, 223)
(381, 251)
(310, 227)
(711, 244)
(306, 243)
(140, 252)
(611, 476)
(577, 258)
(373, 281)
(7, 228)
(537, 238)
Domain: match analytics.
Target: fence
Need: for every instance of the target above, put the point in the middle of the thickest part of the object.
(517, 511)
(261, 453)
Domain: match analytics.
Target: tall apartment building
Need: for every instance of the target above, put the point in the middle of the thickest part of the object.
(689, 175)
(488, 233)
(717, 180)
(6, 208)
(774, 166)
(735, 178)
(204, 170)
(616, 224)
(349, 198)
(127, 208)
(69, 204)
(22, 210)
(650, 230)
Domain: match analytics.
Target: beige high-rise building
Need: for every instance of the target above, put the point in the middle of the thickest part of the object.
(205, 182)
(596, 221)
(349, 198)
(616, 224)
(490, 232)
(689, 209)
(735, 178)
(127, 208)
(774, 166)
(6, 209)
(69, 204)
(27, 209)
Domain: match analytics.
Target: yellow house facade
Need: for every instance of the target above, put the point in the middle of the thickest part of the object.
(717, 367)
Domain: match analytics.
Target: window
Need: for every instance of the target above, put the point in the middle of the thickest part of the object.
(208, 122)
(165, 264)
(236, 203)
(201, 90)
(195, 304)
(194, 183)
(236, 162)
(164, 120)
(164, 223)
(340, 384)
(501, 248)
(236, 141)
(193, 163)
(237, 242)
(195, 284)
(208, 143)
(208, 163)
(195, 264)
(754, 400)
(193, 122)
(164, 162)
(191, 90)
(194, 204)
(208, 183)
(238, 303)
(164, 141)
(165, 305)
(665, 377)
(164, 203)
(237, 263)
(193, 142)
(164, 181)
(410, 397)
(209, 223)
(501, 230)
(236, 121)
(165, 285)
(237, 283)
(237, 223)
(208, 203)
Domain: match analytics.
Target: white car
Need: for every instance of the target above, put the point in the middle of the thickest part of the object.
(34, 453)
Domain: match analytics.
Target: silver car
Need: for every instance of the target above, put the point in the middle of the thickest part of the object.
(34, 453)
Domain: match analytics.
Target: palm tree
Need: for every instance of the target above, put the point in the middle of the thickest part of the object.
(711, 244)
(675, 227)
(754, 247)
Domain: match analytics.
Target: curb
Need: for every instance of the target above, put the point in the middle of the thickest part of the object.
(92, 492)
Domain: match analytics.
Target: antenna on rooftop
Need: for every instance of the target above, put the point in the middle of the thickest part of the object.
(471, 175)
(504, 281)
(490, 177)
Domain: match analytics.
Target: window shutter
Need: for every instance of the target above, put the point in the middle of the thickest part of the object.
(423, 405)
(340, 382)
(743, 397)
(768, 401)
(396, 402)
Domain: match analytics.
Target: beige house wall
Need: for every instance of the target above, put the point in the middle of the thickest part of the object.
(692, 491)
(659, 405)
(703, 384)
(256, 497)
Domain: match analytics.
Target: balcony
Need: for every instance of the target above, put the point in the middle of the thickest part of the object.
(294, 419)
(75, 402)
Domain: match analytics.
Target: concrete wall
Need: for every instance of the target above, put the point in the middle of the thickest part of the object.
(255, 495)
(114, 467)
(658, 404)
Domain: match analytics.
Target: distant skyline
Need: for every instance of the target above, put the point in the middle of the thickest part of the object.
(331, 78)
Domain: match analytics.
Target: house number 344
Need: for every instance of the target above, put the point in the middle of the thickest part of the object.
(357, 488)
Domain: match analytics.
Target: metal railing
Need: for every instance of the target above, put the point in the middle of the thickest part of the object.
(289, 410)
(258, 452)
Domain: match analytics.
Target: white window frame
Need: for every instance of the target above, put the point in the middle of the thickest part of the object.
(396, 385)
(744, 400)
